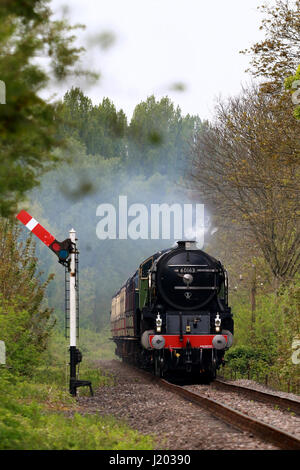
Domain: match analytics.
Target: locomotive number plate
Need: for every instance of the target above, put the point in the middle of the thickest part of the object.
(187, 270)
(191, 269)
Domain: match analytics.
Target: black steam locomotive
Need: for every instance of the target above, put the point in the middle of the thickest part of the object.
(173, 315)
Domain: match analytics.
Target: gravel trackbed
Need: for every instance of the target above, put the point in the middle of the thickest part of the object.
(175, 423)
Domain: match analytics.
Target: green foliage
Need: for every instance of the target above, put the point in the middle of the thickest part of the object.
(156, 140)
(29, 124)
(38, 417)
(265, 347)
(94, 346)
(98, 345)
(243, 358)
(22, 347)
(19, 280)
(40, 414)
(289, 86)
(25, 320)
(99, 128)
(160, 138)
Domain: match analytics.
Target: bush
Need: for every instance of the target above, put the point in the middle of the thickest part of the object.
(266, 346)
(23, 352)
(242, 359)
(25, 319)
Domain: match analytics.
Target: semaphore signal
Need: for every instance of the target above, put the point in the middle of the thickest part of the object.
(61, 249)
(67, 254)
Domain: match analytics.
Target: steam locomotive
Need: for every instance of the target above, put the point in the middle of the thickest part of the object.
(173, 314)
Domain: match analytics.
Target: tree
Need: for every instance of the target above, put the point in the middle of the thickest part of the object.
(277, 55)
(159, 137)
(100, 128)
(156, 140)
(110, 128)
(33, 50)
(75, 113)
(25, 320)
(246, 170)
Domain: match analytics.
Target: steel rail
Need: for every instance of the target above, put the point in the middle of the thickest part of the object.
(275, 436)
(264, 397)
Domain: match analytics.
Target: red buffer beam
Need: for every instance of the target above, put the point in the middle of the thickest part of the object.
(61, 249)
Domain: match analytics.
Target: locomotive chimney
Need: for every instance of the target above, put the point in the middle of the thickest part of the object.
(187, 245)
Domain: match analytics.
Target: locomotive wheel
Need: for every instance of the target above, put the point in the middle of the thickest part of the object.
(157, 366)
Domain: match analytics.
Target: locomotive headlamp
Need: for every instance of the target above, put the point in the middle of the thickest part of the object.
(218, 323)
(158, 323)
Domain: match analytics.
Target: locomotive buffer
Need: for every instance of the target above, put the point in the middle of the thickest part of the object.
(67, 254)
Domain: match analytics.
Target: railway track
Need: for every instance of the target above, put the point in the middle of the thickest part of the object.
(240, 420)
(264, 397)
(269, 433)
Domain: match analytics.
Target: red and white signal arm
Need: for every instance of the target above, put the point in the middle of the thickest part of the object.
(61, 249)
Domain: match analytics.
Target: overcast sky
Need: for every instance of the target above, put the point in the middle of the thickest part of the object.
(162, 42)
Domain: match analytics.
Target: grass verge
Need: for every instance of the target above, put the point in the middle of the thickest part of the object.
(43, 416)
(37, 412)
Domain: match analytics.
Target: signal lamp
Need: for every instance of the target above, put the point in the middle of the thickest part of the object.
(62, 249)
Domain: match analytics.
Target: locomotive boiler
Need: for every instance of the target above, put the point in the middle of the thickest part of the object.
(173, 314)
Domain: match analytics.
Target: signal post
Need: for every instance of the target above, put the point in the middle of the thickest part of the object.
(67, 254)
